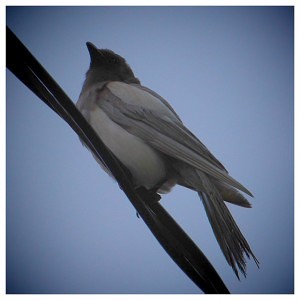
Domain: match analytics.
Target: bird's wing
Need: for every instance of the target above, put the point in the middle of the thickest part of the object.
(145, 115)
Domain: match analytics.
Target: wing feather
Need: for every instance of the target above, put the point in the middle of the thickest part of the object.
(162, 130)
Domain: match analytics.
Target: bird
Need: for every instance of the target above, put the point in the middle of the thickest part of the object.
(148, 137)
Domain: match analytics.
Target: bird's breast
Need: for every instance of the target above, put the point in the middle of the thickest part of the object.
(145, 164)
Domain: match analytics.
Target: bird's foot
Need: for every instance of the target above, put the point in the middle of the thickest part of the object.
(150, 196)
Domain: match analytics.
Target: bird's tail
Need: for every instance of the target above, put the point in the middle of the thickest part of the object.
(231, 240)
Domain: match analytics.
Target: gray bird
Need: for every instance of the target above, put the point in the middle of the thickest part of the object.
(145, 133)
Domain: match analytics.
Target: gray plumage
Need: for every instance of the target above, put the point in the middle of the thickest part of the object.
(148, 137)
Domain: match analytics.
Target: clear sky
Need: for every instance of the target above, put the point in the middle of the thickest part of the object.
(227, 71)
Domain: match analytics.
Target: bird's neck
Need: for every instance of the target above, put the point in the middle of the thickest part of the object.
(93, 77)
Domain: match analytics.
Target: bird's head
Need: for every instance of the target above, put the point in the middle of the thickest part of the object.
(108, 66)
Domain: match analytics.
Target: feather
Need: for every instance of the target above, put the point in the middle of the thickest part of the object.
(162, 130)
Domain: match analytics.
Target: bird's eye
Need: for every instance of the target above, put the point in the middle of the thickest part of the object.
(113, 60)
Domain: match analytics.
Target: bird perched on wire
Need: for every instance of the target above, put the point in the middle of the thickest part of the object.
(145, 133)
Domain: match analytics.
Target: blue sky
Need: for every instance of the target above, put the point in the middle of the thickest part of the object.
(227, 71)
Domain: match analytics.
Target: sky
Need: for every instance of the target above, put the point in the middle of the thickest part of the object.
(228, 73)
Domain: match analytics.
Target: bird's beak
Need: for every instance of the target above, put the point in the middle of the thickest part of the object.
(93, 50)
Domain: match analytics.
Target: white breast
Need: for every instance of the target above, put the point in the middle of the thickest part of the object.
(145, 164)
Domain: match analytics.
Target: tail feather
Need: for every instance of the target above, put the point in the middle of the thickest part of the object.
(229, 236)
(231, 241)
(231, 195)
